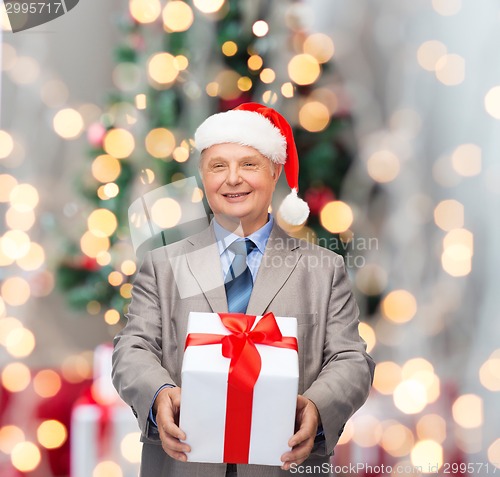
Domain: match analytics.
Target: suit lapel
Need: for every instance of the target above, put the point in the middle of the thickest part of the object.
(279, 261)
(202, 255)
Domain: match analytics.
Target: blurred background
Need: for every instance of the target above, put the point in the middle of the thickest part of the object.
(395, 107)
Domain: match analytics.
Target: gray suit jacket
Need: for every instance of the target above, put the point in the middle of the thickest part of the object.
(295, 278)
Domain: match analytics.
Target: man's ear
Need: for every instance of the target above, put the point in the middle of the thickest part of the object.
(277, 171)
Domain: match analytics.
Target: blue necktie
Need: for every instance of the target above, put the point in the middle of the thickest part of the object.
(239, 282)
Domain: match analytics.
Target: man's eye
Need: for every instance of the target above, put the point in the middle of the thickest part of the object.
(249, 164)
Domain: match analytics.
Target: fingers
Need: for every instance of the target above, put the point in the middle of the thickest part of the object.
(167, 406)
(307, 421)
(301, 436)
(171, 430)
(168, 414)
(298, 455)
(173, 447)
(302, 441)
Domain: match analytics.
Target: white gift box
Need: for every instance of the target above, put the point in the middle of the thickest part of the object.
(204, 395)
(120, 444)
(104, 432)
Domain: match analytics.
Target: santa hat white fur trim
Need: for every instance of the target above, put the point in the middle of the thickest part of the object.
(246, 128)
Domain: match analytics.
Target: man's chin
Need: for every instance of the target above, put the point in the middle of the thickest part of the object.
(237, 216)
(233, 216)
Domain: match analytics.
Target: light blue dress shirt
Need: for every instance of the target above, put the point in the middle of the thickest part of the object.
(254, 258)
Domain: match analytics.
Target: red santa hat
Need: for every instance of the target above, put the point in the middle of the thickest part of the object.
(267, 131)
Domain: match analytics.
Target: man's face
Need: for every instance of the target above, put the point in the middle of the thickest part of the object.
(239, 183)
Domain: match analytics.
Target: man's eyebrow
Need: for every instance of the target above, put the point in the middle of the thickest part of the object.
(215, 159)
(246, 158)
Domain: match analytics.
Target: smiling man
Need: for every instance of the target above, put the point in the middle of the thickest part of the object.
(239, 183)
(243, 153)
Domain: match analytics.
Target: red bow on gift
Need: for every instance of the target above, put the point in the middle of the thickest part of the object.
(244, 371)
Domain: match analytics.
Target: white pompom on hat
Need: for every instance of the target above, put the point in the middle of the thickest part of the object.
(267, 131)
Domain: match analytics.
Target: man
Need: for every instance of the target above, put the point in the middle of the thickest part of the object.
(243, 154)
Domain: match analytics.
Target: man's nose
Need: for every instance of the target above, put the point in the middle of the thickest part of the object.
(233, 175)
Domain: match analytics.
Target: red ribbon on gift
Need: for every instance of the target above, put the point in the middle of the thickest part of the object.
(244, 371)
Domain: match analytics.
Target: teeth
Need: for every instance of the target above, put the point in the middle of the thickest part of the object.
(234, 195)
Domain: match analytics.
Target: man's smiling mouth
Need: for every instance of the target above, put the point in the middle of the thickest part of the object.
(234, 196)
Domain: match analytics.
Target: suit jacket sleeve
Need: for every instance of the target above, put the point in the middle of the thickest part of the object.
(137, 356)
(346, 376)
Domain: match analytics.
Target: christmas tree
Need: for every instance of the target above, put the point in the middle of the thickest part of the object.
(178, 63)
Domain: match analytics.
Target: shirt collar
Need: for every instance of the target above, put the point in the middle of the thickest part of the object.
(259, 237)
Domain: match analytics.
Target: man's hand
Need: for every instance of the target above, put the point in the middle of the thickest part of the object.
(166, 407)
(307, 420)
